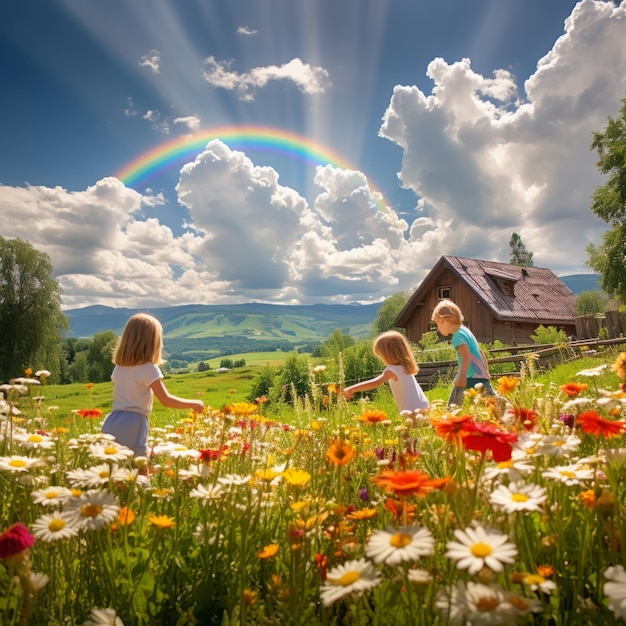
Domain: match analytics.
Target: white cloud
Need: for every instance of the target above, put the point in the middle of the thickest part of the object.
(158, 123)
(245, 30)
(309, 79)
(152, 61)
(486, 162)
(192, 122)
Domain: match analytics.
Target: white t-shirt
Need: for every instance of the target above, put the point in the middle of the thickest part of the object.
(406, 390)
(131, 387)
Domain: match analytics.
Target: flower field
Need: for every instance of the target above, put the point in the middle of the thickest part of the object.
(495, 513)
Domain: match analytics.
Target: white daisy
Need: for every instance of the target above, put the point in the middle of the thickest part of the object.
(93, 509)
(55, 526)
(593, 371)
(518, 497)
(233, 480)
(555, 445)
(353, 577)
(34, 441)
(569, 474)
(51, 496)
(110, 451)
(104, 617)
(514, 469)
(476, 604)
(18, 463)
(213, 492)
(477, 548)
(419, 577)
(392, 546)
(537, 582)
(38, 580)
(615, 590)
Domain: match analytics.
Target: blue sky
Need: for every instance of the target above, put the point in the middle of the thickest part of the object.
(474, 120)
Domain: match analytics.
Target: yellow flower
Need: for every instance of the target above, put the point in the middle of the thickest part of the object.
(619, 367)
(242, 409)
(298, 506)
(363, 514)
(268, 551)
(506, 384)
(296, 477)
(373, 417)
(249, 597)
(340, 452)
(266, 475)
(162, 522)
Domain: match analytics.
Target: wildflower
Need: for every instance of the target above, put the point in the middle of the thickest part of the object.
(42, 374)
(573, 389)
(230, 480)
(506, 384)
(15, 540)
(485, 436)
(593, 424)
(55, 526)
(393, 547)
(18, 463)
(538, 582)
(340, 452)
(514, 468)
(34, 441)
(373, 417)
(475, 603)
(89, 413)
(518, 497)
(615, 590)
(593, 371)
(556, 446)
(353, 577)
(619, 366)
(296, 477)
(241, 409)
(527, 418)
(104, 617)
(405, 483)
(477, 548)
(249, 597)
(51, 496)
(319, 368)
(201, 492)
(419, 577)
(363, 514)
(452, 429)
(110, 451)
(569, 474)
(93, 509)
(268, 551)
(162, 522)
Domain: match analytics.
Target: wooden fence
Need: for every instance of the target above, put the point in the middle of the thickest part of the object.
(590, 326)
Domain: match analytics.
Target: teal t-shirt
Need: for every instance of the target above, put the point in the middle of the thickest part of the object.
(477, 366)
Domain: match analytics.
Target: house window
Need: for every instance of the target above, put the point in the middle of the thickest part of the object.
(506, 289)
(444, 293)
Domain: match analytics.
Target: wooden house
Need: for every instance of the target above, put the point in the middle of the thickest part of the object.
(499, 301)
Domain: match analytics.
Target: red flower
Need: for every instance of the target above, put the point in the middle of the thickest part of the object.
(489, 437)
(573, 389)
(15, 540)
(452, 429)
(593, 424)
(90, 413)
(526, 417)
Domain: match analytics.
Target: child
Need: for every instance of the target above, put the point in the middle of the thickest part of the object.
(395, 352)
(472, 364)
(136, 377)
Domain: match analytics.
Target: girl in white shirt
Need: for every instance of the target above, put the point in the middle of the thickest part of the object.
(136, 378)
(401, 368)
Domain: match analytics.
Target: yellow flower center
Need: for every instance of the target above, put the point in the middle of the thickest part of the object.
(487, 605)
(56, 525)
(347, 579)
(17, 463)
(519, 497)
(91, 510)
(110, 450)
(558, 444)
(51, 495)
(104, 474)
(567, 474)
(505, 464)
(35, 438)
(481, 550)
(534, 579)
(400, 540)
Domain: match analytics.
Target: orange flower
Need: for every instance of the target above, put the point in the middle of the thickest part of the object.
(452, 429)
(396, 507)
(340, 452)
(405, 483)
(28, 371)
(545, 570)
(526, 417)
(506, 384)
(373, 417)
(89, 386)
(90, 413)
(125, 516)
(363, 514)
(162, 522)
(598, 426)
(573, 389)
(588, 498)
(268, 551)
(241, 409)
(619, 367)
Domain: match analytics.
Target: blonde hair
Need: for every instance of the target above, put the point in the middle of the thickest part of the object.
(394, 349)
(141, 342)
(449, 311)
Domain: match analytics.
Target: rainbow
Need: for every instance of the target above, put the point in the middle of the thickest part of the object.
(177, 150)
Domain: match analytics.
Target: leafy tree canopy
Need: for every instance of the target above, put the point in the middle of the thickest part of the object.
(609, 203)
(519, 255)
(389, 311)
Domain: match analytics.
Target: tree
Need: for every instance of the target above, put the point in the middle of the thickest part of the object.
(335, 344)
(609, 203)
(591, 302)
(389, 311)
(31, 320)
(519, 255)
(100, 356)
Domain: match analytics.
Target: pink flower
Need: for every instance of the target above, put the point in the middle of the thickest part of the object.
(14, 540)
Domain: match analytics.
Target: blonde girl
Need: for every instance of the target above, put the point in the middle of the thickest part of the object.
(395, 352)
(472, 364)
(136, 378)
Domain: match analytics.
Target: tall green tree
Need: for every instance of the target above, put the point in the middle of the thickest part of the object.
(389, 311)
(31, 320)
(100, 356)
(519, 255)
(609, 204)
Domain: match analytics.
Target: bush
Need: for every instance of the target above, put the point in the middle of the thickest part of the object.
(548, 334)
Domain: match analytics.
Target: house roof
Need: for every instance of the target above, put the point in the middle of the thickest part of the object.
(537, 295)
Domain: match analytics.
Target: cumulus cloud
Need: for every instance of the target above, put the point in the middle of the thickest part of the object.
(486, 161)
(245, 30)
(192, 122)
(152, 61)
(309, 79)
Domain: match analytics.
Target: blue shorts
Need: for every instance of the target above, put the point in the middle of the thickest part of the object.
(129, 429)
